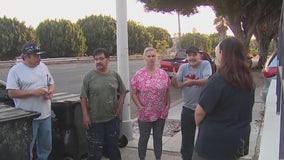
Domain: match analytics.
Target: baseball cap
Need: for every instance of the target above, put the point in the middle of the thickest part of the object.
(31, 48)
(192, 49)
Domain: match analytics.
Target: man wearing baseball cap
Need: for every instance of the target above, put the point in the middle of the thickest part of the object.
(191, 77)
(31, 86)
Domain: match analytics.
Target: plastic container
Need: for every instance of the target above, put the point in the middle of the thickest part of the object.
(15, 132)
(68, 133)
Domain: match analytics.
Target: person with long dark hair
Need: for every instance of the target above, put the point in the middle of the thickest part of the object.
(224, 109)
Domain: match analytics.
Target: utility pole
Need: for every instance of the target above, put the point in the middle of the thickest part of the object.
(194, 30)
(179, 32)
(123, 63)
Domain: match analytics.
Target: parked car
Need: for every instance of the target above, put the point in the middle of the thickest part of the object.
(269, 72)
(169, 64)
(180, 57)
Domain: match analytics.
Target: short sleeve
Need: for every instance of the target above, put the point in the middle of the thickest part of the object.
(84, 87)
(165, 77)
(210, 95)
(121, 86)
(12, 80)
(207, 70)
(134, 81)
(50, 79)
(181, 72)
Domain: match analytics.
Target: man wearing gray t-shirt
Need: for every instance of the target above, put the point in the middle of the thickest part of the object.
(31, 86)
(191, 77)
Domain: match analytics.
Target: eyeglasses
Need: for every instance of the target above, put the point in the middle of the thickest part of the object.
(31, 49)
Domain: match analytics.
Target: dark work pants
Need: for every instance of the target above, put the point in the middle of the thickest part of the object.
(104, 133)
(145, 130)
(188, 133)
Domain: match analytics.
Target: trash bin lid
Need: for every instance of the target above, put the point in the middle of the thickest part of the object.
(8, 113)
(65, 97)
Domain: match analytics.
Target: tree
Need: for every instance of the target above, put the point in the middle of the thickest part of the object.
(183, 7)
(138, 37)
(13, 35)
(244, 15)
(61, 38)
(221, 27)
(159, 35)
(266, 30)
(241, 16)
(162, 47)
(100, 32)
(199, 40)
(214, 39)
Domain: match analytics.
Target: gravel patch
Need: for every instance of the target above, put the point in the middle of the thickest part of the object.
(171, 128)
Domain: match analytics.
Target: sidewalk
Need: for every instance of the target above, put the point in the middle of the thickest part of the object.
(171, 144)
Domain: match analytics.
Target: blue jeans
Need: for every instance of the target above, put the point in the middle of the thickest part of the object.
(101, 134)
(188, 133)
(145, 130)
(42, 137)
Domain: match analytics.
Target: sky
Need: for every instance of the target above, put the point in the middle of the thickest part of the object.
(32, 12)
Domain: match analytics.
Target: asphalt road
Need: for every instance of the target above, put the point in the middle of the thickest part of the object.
(68, 77)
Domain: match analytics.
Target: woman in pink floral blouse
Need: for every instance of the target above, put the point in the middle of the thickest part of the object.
(150, 92)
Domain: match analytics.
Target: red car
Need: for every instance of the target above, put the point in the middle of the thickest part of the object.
(269, 72)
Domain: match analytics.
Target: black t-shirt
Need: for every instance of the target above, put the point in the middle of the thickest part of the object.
(224, 132)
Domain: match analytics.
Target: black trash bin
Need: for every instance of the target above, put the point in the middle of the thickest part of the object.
(69, 138)
(4, 98)
(68, 133)
(15, 132)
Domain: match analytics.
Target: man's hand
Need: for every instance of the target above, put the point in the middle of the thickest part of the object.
(41, 92)
(188, 83)
(174, 78)
(86, 121)
(174, 73)
(50, 91)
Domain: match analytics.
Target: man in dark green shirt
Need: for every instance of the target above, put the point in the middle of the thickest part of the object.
(102, 97)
